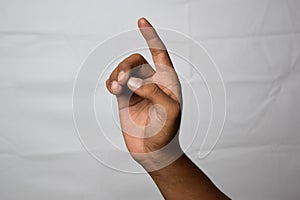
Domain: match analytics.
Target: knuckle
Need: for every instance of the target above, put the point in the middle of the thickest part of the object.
(137, 56)
(114, 74)
(122, 66)
(138, 59)
(107, 83)
(158, 52)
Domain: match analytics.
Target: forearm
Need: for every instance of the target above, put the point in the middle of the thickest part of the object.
(184, 180)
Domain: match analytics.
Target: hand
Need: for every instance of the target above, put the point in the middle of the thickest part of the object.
(149, 100)
(150, 111)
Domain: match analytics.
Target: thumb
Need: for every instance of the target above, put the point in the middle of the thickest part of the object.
(151, 91)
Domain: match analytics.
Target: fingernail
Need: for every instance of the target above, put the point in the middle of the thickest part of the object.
(135, 82)
(115, 86)
(121, 75)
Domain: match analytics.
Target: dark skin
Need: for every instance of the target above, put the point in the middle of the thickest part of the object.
(149, 104)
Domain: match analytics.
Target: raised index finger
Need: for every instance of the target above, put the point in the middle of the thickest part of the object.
(157, 48)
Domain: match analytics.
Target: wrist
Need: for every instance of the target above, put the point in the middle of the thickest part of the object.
(158, 159)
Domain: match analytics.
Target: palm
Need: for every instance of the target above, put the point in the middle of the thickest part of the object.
(134, 112)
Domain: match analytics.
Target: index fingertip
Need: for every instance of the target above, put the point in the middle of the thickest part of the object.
(143, 23)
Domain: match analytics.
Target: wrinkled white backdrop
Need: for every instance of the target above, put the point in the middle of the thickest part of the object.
(255, 43)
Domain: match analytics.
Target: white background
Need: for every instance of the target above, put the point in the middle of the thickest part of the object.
(256, 45)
